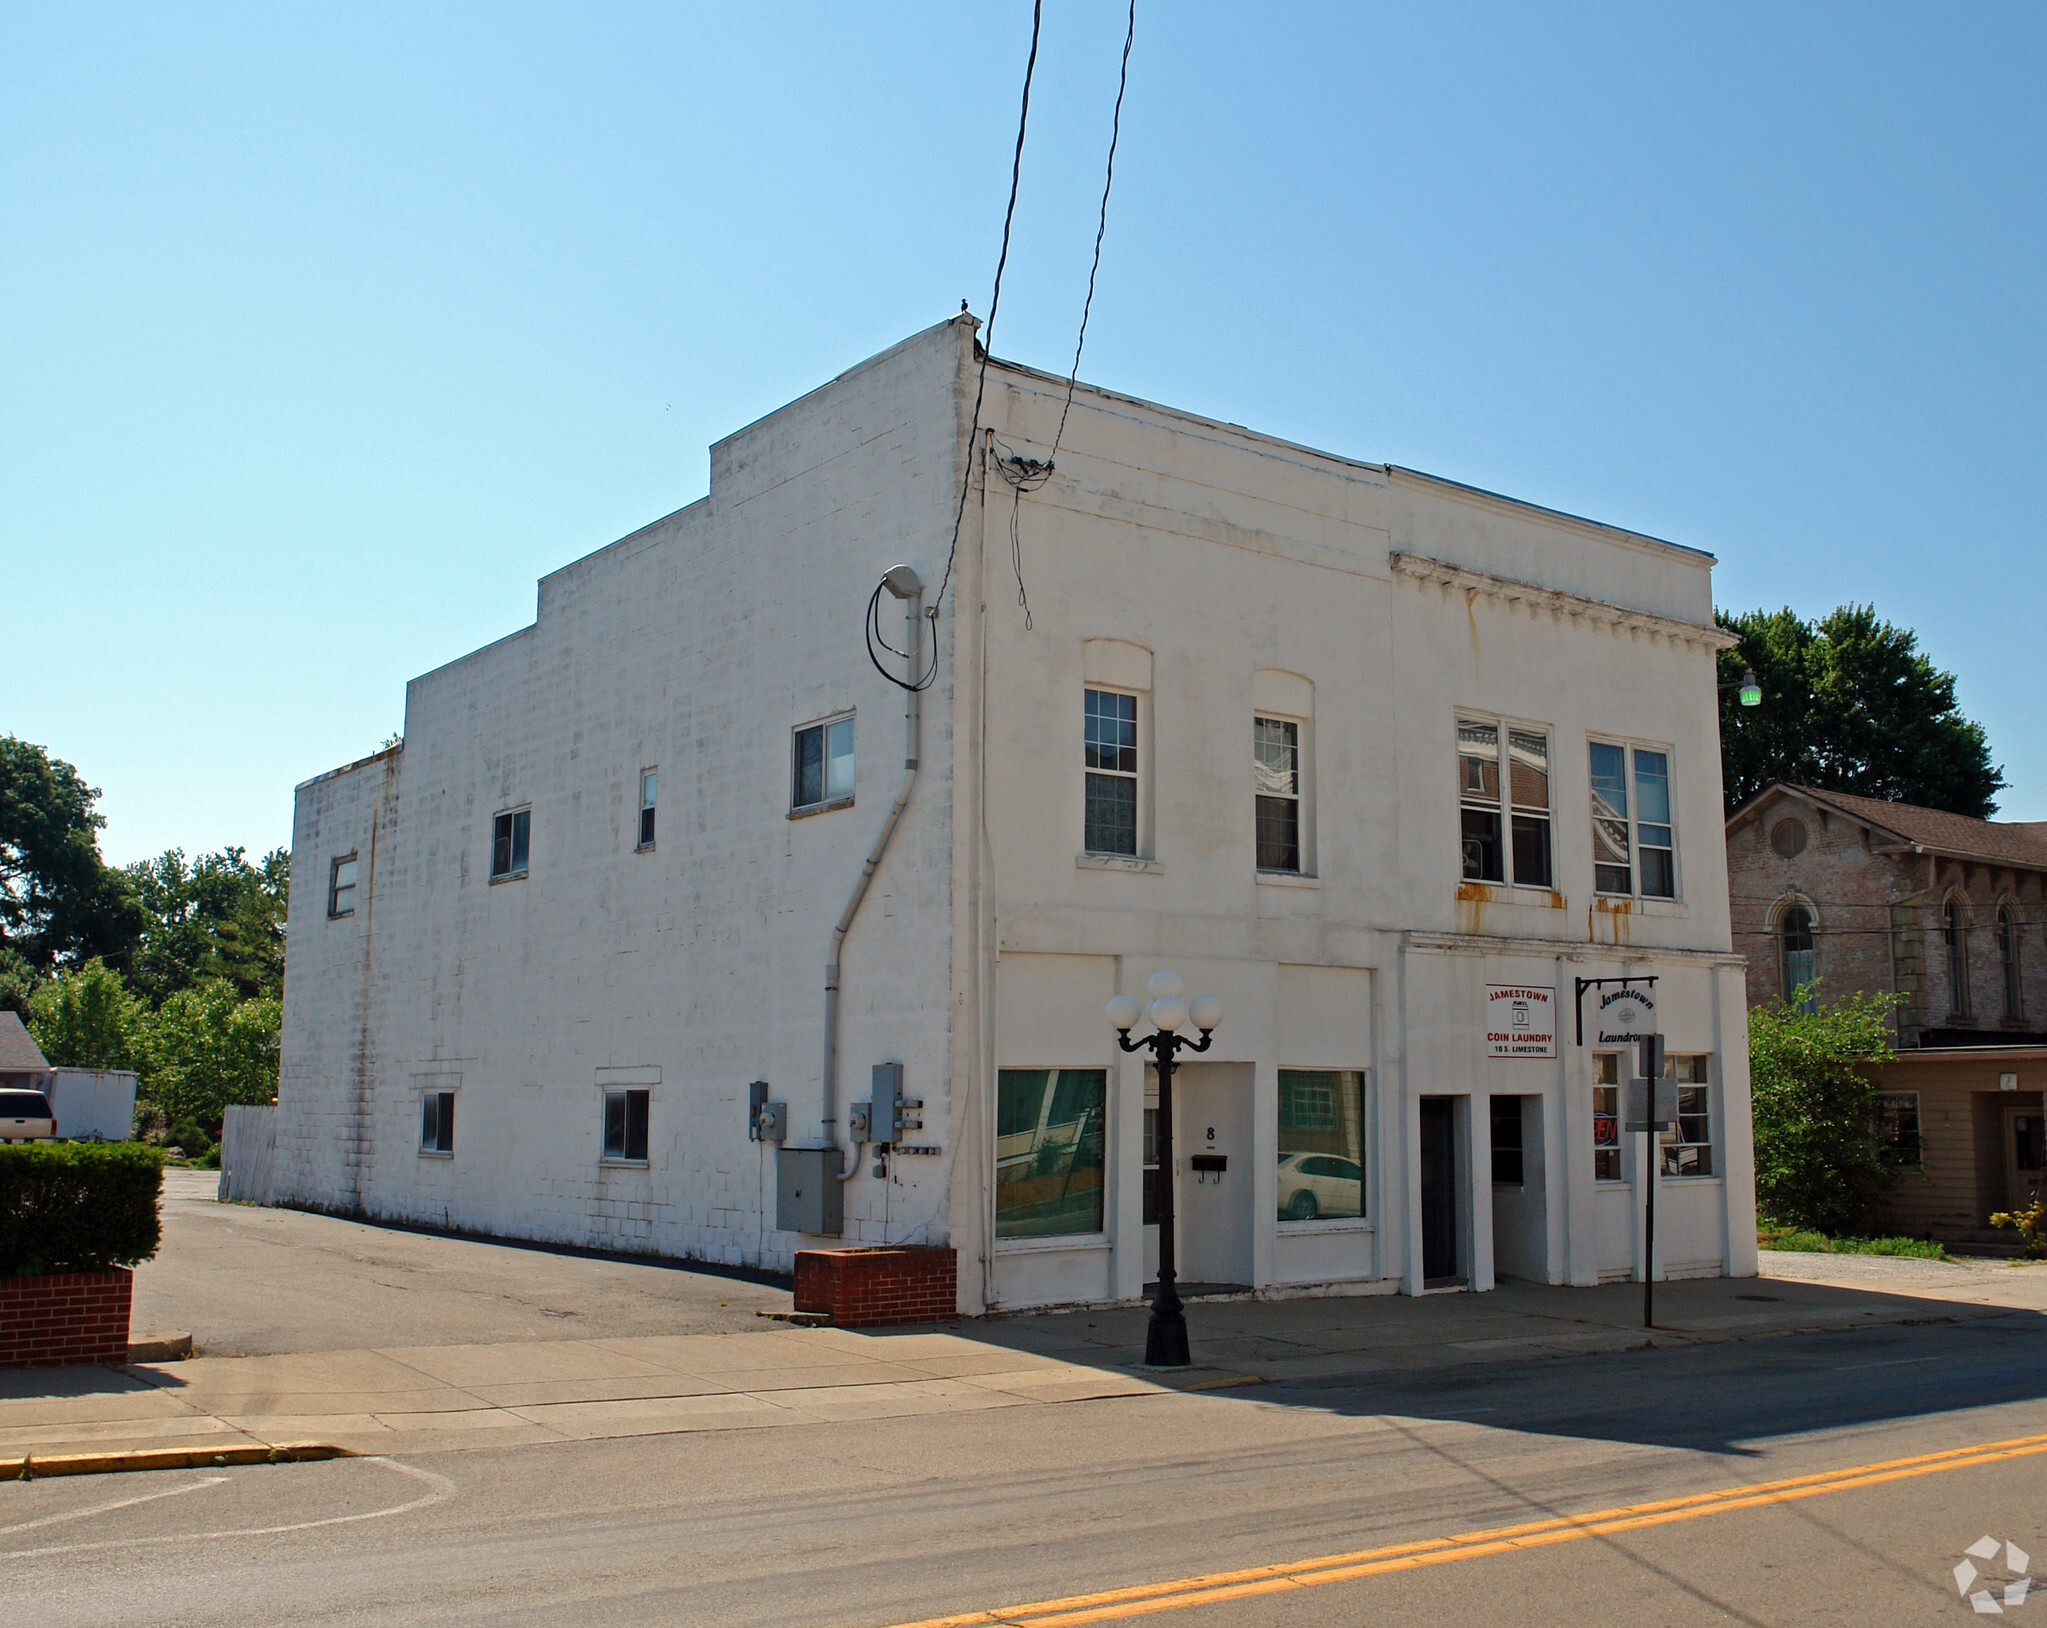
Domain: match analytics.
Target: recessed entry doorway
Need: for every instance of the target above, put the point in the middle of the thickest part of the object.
(1213, 1192)
(1445, 1198)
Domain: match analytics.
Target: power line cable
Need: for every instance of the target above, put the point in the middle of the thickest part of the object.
(988, 332)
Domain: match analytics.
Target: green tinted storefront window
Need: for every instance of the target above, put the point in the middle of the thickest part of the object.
(1048, 1151)
(1321, 1144)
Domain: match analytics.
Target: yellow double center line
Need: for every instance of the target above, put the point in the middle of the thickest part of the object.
(1218, 1587)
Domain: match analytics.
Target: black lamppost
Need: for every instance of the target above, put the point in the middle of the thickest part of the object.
(1165, 1341)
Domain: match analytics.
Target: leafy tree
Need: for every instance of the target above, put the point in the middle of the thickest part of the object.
(59, 902)
(216, 917)
(1818, 1163)
(207, 1048)
(18, 981)
(88, 1019)
(1850, 704)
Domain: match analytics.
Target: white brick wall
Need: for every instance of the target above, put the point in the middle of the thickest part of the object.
(696, 645)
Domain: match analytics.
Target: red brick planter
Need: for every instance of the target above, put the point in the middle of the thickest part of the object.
(65, 1317)
(865, 1288)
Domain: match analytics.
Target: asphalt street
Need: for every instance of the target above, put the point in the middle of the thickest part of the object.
(329, 1284)
(907, 1520)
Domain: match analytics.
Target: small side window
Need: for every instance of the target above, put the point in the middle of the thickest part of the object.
(341, 887)
(625, 1126)
(649, 784)
(823, 766)
(437, 1122)
(510, 837)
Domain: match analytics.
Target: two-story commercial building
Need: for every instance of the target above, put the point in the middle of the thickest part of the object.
(1410, 775)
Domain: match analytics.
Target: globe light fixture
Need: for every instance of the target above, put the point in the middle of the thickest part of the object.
(1165, 1340)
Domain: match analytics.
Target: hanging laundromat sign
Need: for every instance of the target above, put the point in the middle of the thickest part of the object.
(1625, 1015)
(1520, 1020)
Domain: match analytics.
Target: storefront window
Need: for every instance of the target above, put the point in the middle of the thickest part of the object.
(1606, 1116)
(1321, 1144)
(1688, 1150)
(1048, 1151)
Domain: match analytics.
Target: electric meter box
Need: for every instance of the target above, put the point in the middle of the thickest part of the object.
(809, 1197)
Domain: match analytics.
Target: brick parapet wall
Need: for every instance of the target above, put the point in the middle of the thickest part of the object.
(65, 1317)
(867, 1288)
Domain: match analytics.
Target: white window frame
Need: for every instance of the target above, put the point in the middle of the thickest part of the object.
(1298, 796)
(650, 787)
(1672, 1143)
(626, 1157)
(1503, 807)
(829, 797)
(1619, 1150)
(438, 1140)
(516, 868)
(1628, 748)
(1137, 776)
(334, 910)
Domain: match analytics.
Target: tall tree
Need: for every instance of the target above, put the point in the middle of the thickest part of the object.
(1850, 704)
(214, 917)
(59, 902)
(88, 1019)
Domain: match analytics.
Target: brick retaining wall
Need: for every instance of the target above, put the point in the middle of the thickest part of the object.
(65, 1317)
(865, 1288)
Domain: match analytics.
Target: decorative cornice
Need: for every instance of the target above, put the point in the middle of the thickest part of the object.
(1536, 599)
(1565, 949)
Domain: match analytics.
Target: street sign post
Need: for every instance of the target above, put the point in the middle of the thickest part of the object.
(1651, 1109)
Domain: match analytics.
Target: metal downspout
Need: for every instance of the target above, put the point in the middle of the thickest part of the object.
(904, 583)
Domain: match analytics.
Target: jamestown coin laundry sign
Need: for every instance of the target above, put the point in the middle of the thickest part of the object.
(1410, 775)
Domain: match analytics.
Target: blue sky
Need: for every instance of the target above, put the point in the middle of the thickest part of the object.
(329, 330)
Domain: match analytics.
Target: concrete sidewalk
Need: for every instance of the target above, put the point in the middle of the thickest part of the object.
(409, 1399)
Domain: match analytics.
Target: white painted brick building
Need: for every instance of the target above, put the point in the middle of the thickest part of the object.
(1186, 578)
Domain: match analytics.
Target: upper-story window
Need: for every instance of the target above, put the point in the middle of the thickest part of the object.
(1276, 767)
(823, 765)
(1955, 935)
(1504, 839)
(2008, 961)
(1794, 932)
(1634, 847)
(510, 838)
(1110, 755)
(341, 887)
(650, 783)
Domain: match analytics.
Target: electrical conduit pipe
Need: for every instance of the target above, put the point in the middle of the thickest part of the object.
(905, 584)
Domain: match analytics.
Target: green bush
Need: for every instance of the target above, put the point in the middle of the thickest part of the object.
(1818, 1162)
(77, 1206)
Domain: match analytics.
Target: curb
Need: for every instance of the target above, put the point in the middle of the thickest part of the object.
(30, 1468)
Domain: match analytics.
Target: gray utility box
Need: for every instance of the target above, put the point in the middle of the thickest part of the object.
(809, 1197)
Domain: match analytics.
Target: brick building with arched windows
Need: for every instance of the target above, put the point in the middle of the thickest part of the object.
(1843, 895)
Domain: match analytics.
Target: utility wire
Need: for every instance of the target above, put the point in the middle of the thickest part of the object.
(1101, 226)
(1028, 474)
(988, 332)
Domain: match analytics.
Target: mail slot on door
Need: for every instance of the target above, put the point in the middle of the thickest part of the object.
(1207, 1166)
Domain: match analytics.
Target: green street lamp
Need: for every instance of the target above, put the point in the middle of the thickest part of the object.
(1747, 690)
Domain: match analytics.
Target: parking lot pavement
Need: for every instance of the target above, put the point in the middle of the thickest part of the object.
(251, 1281)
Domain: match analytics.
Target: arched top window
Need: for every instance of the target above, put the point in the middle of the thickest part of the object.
(1794, 934)
(2008, 960)
(1954, 932)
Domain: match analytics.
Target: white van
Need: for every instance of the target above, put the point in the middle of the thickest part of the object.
(26, 1116)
